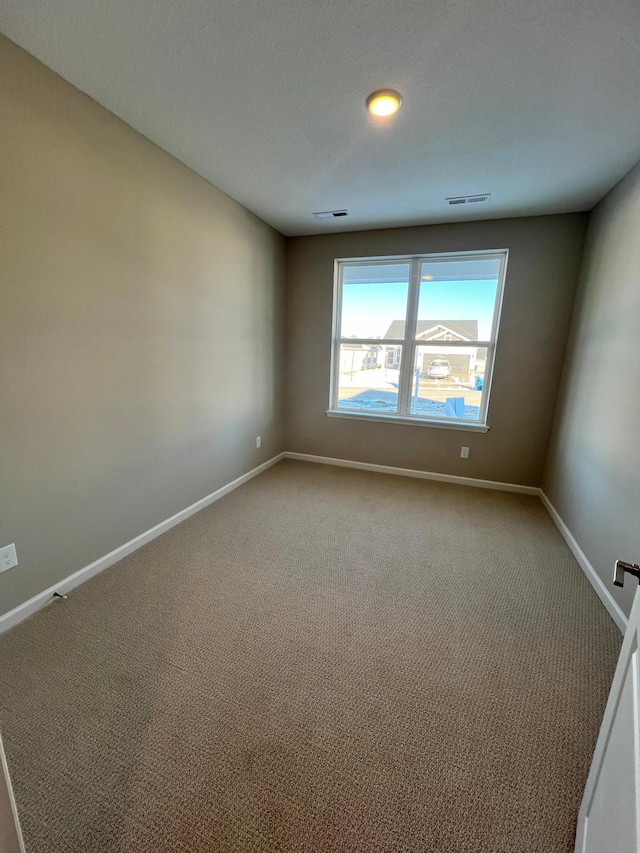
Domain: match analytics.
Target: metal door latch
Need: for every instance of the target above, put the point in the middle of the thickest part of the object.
(620, 568)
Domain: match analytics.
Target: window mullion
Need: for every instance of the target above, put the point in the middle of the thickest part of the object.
(408, 353)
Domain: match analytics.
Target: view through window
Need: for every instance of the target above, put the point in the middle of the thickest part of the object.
(414, 338)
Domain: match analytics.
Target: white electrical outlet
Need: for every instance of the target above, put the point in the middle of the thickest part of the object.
(8, 558)
(258, 441)
(464, 452)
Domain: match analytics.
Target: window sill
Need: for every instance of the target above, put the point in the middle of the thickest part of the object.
(421, 422)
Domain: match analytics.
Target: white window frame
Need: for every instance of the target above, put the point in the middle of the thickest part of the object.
(410, 342)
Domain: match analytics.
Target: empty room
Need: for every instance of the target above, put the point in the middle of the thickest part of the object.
(319, 407)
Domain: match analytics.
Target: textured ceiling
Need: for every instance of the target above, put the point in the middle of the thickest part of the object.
(534, 101)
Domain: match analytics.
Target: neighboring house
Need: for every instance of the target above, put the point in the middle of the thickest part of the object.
(463, 363)
(355, 357)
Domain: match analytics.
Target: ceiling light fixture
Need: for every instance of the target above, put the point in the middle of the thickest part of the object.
(384, 102)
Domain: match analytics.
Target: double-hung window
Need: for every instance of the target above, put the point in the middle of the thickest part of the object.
(414, 338)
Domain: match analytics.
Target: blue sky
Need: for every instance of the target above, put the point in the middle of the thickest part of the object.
(368, 309)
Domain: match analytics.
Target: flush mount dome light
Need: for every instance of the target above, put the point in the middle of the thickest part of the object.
(384, 102)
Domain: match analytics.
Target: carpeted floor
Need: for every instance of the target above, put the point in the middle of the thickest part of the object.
(324, 660)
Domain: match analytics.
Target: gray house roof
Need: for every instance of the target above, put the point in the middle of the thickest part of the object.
(461, 328)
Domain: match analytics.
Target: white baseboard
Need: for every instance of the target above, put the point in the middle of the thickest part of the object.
(594, 578)
(422, 475)
(22, 611)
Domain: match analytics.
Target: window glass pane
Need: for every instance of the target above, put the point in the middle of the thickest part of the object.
(448, 382)
(374, 300)
(368, 378)
(457, 299)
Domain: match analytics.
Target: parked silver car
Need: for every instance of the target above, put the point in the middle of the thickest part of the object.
(439, 368)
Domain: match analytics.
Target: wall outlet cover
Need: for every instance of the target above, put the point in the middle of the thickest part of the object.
(8, 558)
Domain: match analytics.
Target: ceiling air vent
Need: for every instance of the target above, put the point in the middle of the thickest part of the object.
(330, 214)
(469, 199)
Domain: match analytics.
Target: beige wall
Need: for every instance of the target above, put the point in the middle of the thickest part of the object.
(593, 469)
(544, 256)
(141, 331)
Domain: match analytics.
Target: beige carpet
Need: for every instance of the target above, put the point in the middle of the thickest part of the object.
(324, 660)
